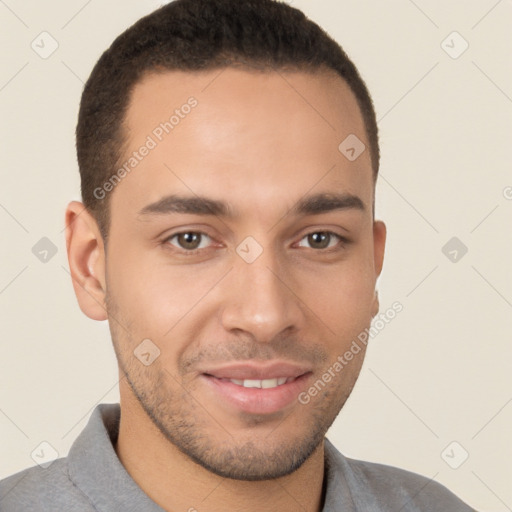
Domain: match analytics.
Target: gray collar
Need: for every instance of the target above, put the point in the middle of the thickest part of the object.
(96, 470)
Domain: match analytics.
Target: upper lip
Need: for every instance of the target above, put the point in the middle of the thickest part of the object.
(257, 371)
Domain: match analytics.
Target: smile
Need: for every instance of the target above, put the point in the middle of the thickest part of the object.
(263, 383)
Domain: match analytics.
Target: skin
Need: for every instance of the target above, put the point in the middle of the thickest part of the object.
(261, 142)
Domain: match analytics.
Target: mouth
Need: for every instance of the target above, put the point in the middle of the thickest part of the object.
(261, 383)
(256, 389)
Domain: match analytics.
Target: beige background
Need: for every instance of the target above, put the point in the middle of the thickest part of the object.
(439, 372)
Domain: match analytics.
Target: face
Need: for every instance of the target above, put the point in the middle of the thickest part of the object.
(242, 246)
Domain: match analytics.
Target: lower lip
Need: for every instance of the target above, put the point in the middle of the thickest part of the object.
(258, 400)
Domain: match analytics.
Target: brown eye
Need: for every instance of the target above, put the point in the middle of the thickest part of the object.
(189, 240)
(320, 240)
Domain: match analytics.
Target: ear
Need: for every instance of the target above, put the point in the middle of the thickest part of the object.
(86, 257)
(379, 244)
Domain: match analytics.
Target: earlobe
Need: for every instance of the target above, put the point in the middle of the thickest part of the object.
(86, 257)
(376, 304)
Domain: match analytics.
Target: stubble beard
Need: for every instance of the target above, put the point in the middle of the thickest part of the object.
(192, 428)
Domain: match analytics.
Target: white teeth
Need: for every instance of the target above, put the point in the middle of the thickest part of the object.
(248, 383)
(269, 383)
(264, 384)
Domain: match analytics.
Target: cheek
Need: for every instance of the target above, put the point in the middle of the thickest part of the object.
(141, 294)
(342, 296)
(139, 283)
(155, 300)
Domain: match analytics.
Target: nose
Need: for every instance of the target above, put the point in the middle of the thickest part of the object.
(262, 301)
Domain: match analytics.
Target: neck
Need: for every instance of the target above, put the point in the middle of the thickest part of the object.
(175, 482)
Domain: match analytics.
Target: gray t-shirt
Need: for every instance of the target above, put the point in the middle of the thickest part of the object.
(92, 479)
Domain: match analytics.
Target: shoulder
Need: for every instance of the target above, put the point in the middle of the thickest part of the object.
(389, 488)
(412, 491)
(42, 490)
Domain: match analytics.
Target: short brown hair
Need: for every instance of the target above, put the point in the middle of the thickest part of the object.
(192, 35)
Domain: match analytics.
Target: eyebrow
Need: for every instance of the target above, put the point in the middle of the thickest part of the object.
(199, 205)
(323, 202)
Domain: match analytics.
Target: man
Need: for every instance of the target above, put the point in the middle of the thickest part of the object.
(228, 153)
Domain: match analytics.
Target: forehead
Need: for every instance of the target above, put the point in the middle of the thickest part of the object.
(248, 137)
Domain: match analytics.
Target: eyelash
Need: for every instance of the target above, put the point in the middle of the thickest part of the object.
(341, 241)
